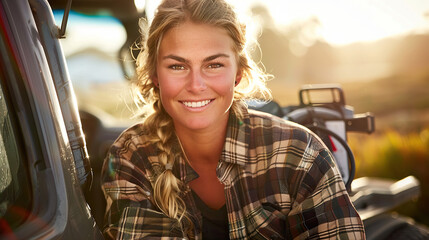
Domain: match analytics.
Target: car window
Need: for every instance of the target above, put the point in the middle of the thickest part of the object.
(91, 47)
(15, 184)
(15, 191)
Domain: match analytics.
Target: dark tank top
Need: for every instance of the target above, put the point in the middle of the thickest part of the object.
(215, 222)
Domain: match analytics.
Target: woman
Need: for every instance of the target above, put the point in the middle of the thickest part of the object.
(202, 166)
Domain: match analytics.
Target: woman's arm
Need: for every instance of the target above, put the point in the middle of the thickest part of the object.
(130, 212)
(322, 208)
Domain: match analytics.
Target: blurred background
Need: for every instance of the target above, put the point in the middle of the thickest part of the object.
(377, 50)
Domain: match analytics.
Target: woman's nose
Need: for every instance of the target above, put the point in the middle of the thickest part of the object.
(196, 82)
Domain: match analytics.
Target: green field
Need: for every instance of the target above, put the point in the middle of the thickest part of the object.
(395, 156)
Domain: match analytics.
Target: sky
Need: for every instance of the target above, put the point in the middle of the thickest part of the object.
(342, 21)
(347, 21)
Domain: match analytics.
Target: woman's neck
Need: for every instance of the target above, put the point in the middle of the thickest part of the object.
(203, 147)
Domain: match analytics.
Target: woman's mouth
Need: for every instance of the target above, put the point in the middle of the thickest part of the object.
(196, 104)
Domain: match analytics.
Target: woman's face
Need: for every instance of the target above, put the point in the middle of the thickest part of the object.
(196, 73)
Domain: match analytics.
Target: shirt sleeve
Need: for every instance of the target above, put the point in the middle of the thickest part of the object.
(130, 212)
(322, 208)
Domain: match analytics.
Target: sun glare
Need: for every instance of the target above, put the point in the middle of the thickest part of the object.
(140, 5)
(343, 22)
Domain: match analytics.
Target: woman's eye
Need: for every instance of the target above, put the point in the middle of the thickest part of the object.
(215, 65)
(177, 67)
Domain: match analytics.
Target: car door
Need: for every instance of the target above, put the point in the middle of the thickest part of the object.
(40, 183)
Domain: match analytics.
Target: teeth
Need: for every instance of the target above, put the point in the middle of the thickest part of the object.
(196, 104)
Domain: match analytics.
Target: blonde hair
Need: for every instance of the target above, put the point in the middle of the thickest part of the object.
(170, 14)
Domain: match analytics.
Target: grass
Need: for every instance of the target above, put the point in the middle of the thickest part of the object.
(393, 155)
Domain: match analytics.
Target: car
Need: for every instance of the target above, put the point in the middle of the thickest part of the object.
(43, 158)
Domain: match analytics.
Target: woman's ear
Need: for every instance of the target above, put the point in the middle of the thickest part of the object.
(155, 81)
(238, 77)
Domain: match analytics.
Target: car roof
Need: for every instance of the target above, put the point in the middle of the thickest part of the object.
(121, 9)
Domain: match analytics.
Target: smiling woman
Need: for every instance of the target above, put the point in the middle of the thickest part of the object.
(201, 165)
(195, 58)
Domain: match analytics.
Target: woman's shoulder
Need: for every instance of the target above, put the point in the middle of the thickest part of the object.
(270, 119)
(134, 138)
(283, 130)
(258, 119)
(133, 150)
(130, 134)
(286, 144)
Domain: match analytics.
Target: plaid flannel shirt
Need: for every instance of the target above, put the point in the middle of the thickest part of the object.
(280, 181)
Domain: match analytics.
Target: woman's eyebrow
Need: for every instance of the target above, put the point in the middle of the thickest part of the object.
(177, 58)
(213, 57)
(207, 59)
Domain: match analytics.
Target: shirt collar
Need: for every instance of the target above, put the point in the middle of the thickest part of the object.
(236, 146)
